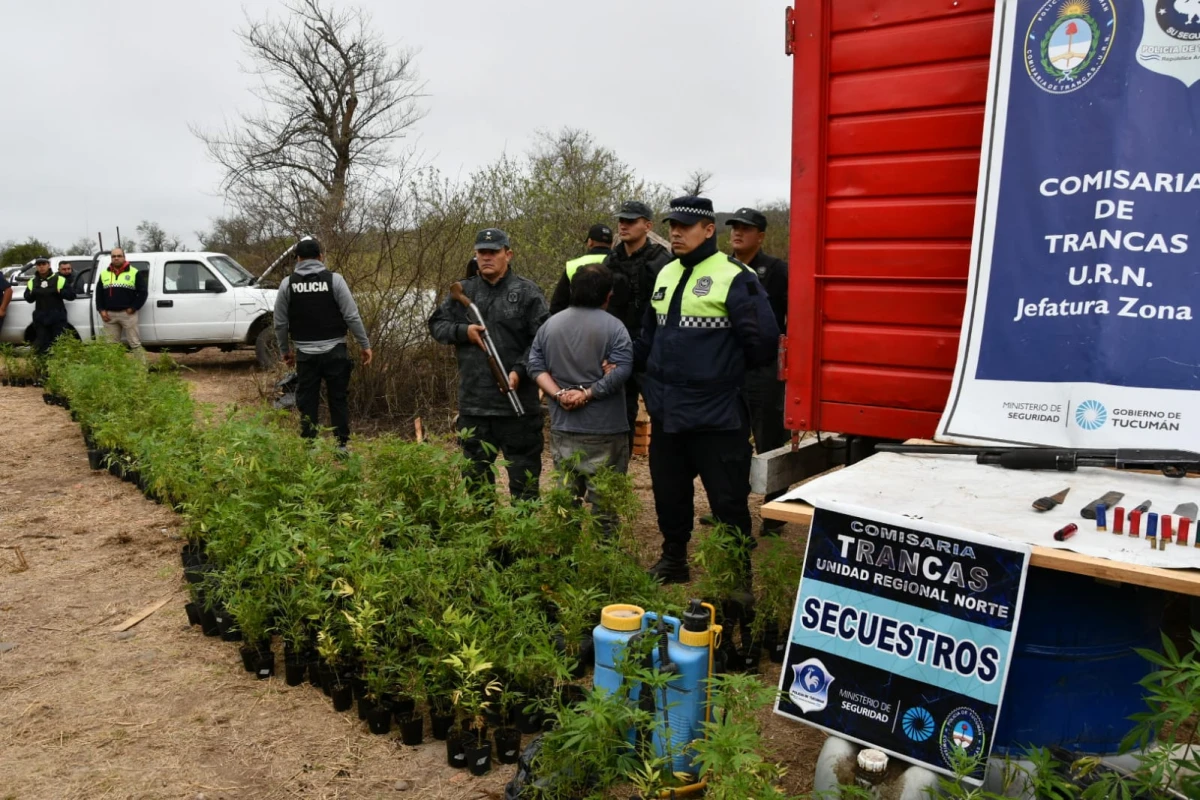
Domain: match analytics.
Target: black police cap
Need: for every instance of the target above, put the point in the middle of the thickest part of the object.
(600, 233)
(635, 209)
(749, 216)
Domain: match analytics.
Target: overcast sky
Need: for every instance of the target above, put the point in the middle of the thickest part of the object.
(99, 94)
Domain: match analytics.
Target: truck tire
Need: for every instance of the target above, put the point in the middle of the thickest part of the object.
(266, 348)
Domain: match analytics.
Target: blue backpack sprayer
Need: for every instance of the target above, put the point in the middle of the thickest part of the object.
(685, 649)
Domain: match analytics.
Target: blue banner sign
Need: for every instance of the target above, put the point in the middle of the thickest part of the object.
(902, 635)
(1082, 325)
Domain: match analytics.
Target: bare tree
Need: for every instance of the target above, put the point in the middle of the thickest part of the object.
(697, 182)
(82, 246)
(155, 239)
(335, 97)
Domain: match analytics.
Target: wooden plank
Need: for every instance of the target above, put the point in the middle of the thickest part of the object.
(1183, 581)
(886, 303)
(859, 14)
(965, 36)
(904, 175)
(141, 615)
(888, 345)
(909, 131)
(899, 259)
(907, 218)
(957, 83)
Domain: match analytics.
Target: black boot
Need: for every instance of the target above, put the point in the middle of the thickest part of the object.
(672, 567)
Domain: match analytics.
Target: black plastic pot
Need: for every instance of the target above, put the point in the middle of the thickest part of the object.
(441, 724)
(208, 623)
(249, 655)
(294, 671)
(528, 722)
(228, 626)
(343, 698)
(479, 756)
(314, 672)
(47, 398)
(366, 706)
(402, 707)
(265, 663)
(455, 755)
(508, 745)
(95, 459)
(330, 679)
(193, 613)
(380, 721)
(777, 652)
(412, 730)
(572, 695)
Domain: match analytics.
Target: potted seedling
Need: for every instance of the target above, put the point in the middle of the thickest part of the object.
(474, 684)
(578, 610)
(330, 652)
(250, 606)
(508, 738)
(724, 555)
(779, 572)
(412, 684)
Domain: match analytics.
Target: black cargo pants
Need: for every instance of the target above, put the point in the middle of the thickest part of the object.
(519, 439)
(332, 368)
(721, 459)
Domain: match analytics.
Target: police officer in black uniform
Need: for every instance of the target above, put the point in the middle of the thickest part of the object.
(47, 291)
(315, 308)
(708, 322)
(764, 390)
(513, 308)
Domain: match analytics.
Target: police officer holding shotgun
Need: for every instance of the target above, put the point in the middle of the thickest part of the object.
(512, 309)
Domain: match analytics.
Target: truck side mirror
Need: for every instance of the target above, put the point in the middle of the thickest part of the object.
(214, 286)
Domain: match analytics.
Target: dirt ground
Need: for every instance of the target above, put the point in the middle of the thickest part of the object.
(160, 711)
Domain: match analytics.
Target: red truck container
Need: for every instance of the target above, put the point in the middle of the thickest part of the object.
(887, 120)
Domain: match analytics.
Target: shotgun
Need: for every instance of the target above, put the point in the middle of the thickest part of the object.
(493, 355)
(1172, 463)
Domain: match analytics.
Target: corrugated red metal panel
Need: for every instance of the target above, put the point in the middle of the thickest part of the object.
(929, 260)
(894, 345)
(875, 420)
(893, 304)
(918, 390)
(880, 176)
(852, 15)
(913, 131)
(888, 102)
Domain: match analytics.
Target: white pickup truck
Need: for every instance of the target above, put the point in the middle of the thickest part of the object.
(196, 300)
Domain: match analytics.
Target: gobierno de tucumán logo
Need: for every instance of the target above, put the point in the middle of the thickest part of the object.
(1091, 415)
(1068, 42)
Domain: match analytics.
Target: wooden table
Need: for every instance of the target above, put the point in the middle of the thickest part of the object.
(1183, 581)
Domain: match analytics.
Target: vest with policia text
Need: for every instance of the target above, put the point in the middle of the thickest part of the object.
(696, 366)
(575, 264)
(313, 312)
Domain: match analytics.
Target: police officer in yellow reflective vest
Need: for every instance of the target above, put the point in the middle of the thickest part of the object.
(47, 291)
(599, 245)
(121, 293)
(709, 321)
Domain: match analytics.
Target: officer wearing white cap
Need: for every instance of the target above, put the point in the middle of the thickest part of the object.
(764, 390)
(708, 322)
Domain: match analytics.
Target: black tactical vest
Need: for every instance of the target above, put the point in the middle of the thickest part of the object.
(313, 313)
